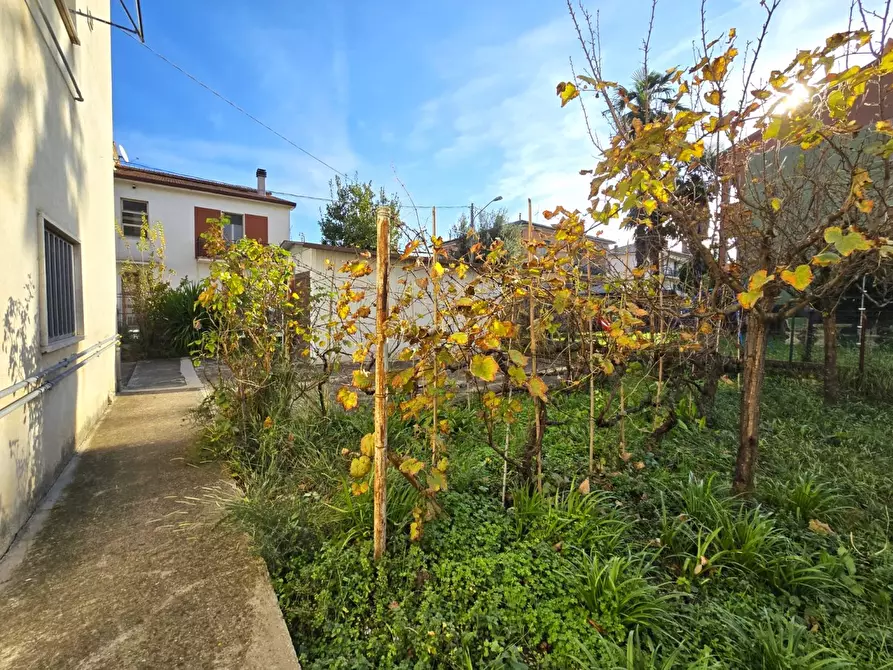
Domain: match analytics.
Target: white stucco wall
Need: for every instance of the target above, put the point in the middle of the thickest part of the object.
(402, 278)
(55, 157)
(174, 209)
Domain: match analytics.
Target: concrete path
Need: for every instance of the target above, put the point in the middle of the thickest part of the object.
(131, 570)
(162, 376)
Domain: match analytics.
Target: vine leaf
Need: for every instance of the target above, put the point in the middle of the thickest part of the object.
(360, 467)
(826, 258)
(800, 278)
(747, 299)
(347, 398)
(362, 379)
(562, 297)
(483, 367)
(517, 357)
(566, 91)
(537, 388)
(846, 243)
(367, 445)
(516, 374)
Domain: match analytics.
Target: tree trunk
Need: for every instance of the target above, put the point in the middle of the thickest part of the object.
(531, 462)
(751, 387)
(707, 399)
(832, 384)
(810, 336)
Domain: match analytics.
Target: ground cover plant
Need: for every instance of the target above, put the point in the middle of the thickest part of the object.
(656, 566)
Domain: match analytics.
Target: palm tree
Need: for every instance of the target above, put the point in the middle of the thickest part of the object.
(650, 98)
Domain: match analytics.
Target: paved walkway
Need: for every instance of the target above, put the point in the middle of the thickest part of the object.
(130, 569)
(162, 376)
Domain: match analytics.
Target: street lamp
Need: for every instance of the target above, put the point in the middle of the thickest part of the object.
(496, 199)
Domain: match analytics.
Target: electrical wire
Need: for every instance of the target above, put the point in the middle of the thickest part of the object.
(248, 114)
(240, 109)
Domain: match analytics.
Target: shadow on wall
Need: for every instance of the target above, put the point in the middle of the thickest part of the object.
(41, 167)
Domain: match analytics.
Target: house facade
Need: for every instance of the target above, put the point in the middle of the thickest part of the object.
(182, 206)
(57, 278)
(623, 262)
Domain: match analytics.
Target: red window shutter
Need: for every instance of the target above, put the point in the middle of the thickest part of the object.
(256, 228)
(202, 214)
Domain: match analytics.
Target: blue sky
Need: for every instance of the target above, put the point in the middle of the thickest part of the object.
(456, 99)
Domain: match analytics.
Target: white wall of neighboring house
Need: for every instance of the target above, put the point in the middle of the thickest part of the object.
(174, 208)
(56, 157)
(403, 275)
(623, 262)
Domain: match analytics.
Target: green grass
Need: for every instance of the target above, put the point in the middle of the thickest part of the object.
(658, 567)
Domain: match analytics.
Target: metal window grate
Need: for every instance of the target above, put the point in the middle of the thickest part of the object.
(60, 286)
(133, 212)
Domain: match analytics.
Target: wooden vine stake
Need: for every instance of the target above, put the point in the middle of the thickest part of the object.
(383, 256)
(537, 403)
(436, 290)
(591, 370)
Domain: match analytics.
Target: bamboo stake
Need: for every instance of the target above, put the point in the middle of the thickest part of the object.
(505, 453)
(660, 329)
(536, 401)
(436, 288)
(622, 418)
(591, 371)
(383, 255)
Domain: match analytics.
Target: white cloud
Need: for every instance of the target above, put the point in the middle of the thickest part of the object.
(501, 102)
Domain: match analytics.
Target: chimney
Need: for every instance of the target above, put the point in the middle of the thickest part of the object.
(261, 181)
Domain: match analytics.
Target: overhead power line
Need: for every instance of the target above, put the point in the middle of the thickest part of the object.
(241, 109)
(301, 196)
(249, 115)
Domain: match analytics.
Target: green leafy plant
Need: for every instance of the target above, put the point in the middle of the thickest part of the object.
(617, 593)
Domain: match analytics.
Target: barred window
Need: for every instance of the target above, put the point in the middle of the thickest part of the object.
(61, 277)
(132, 214)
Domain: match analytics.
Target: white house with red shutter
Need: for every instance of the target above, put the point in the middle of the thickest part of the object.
(183, 205)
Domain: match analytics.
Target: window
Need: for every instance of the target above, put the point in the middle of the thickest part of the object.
(132, 214)
(235, 229)
(61, 283)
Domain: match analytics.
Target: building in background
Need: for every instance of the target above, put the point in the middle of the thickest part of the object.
(623, 262)
(57, 278)
(183, 205)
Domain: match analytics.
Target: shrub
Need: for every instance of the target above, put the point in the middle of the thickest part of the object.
(183, 318)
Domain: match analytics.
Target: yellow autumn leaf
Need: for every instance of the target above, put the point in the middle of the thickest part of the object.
(347, 398)
(800, 278)
(459, 338)
(561, 299)
(713, 97)
(567, 92)
(517, 357)
(367, 445)
(747, 299)
(776, 204)
(437, 269)
(362, 379)
(483, 367)
(759, 279)
(359, 467)
(537, 388)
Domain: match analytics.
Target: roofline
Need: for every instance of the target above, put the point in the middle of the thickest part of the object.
(522, 222)
(291, 244)
(159, 178)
